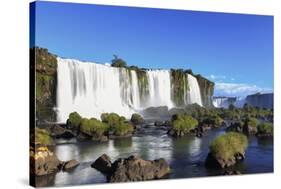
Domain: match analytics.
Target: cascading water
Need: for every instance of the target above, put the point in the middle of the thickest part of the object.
(194, 90)
(92, 89)
(159, 82)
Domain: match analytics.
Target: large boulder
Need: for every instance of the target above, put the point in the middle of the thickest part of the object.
(61, 132)
(131, 169)
(103, 164)
(44, 162)
(137, 169)
(226, 150)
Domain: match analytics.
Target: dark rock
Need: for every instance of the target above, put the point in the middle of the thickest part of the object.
(217, 162)
(69, 165)
(103, 164)
(137, 169)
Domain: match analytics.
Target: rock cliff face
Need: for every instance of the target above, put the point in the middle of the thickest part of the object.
(207, 90)
(260, 100)
(45, 83)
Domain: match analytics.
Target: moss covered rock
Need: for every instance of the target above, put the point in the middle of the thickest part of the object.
(265, 129)
(226, 150)
(182, 125)
(42, 137)
(45, 83)
(137, 119)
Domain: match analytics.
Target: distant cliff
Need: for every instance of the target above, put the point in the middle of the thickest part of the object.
(261, 100)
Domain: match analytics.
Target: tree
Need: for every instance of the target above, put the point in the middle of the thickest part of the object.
(118, 62)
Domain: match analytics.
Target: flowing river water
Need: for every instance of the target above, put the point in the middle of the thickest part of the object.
(186, 155)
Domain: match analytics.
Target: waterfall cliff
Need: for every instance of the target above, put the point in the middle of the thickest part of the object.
(92, 89)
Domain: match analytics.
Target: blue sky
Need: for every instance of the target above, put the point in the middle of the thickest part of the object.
(234, 50)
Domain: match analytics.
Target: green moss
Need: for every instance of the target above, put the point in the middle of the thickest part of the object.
(265, 128)
(74, 120)
(93, 127)
(213, 120)
(227, 145)
(179, 86)
(117, 124)
(136, 118)
(42, 137)
(183, 123)
(253, 122)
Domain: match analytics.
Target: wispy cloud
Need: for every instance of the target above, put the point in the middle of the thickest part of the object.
(216, 77)
(238, 89)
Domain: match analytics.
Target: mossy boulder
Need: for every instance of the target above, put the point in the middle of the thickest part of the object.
(118, 126)
(74, 120)
(212, 121)
(93, 128)
(226, 150)
(182, 125)
(265, 129)
(137, 119)
(250, 126)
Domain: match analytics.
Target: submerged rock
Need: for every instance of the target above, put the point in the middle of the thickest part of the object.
(131, 169)
(69, 165)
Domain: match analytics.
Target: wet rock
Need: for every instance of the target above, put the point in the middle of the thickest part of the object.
(132, 168)
(61, 132)
(136, 169)
(103, 164)
(69, 165)
(218, 162)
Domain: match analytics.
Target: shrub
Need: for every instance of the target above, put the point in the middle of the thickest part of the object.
(253, 122)
(93, 127)
(118, 62)
(42, 137)
(265, 128)
(137, 118)
(183, 123)
(117, 124)
(227, 145)
(213, 120)
(74, 120)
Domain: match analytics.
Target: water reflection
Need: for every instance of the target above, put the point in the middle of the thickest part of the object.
(185, 155)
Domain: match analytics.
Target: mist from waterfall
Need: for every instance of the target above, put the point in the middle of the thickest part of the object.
(92, 89)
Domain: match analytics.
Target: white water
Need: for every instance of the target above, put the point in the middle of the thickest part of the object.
(221, 102)
(194, 90)
(159, 83)
(92, 89)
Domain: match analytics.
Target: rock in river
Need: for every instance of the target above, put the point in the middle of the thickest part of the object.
(132, 168)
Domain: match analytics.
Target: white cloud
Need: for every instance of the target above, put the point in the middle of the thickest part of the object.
(238, 89)
(215, 77)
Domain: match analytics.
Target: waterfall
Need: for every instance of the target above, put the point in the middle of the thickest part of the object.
(159, 82)
(194, 90)
(92, 89)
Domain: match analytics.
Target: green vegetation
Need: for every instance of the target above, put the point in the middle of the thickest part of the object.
(136, 118)
(42, 137)
(74, 120)
(45, 83)
(118, 62)
(253, 122)
(117, 124)
(228, 145)
(265, 128)
(212, 119)
(179, 86)
(93, 127)
(183, 123)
